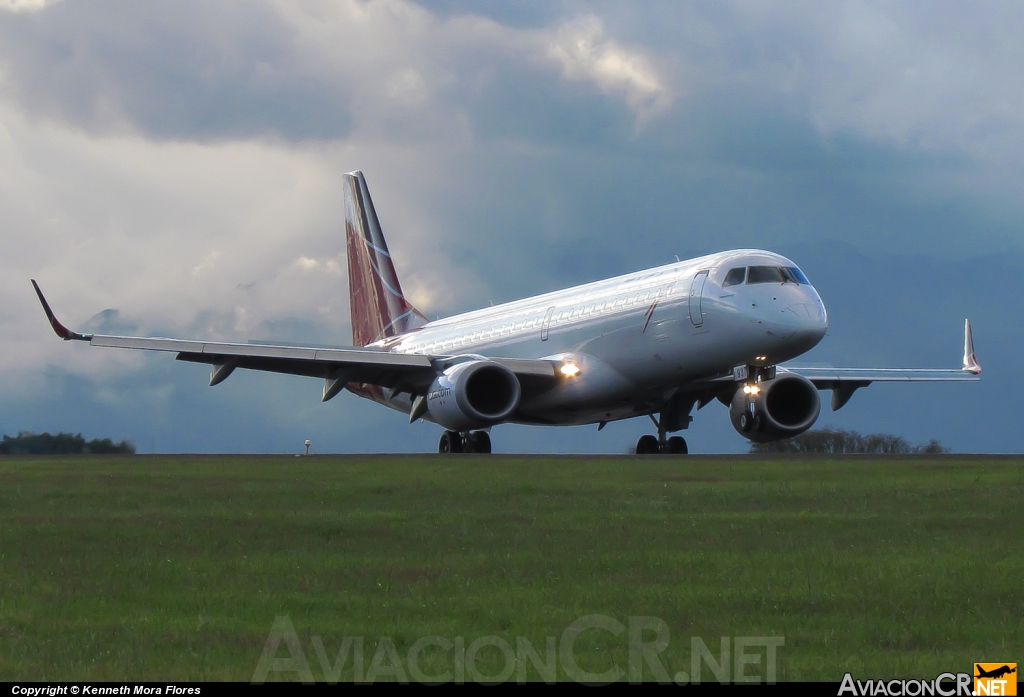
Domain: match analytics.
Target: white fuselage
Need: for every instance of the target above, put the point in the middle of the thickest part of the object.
(636, 338)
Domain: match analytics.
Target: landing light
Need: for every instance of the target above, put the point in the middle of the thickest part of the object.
(570, 370)
(751, 389)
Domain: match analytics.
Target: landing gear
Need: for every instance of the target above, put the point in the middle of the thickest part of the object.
(751, 423)
(648, 445)
(651, 445)
(451, 442)
(478, 442)
(676, 445)
(455, 442)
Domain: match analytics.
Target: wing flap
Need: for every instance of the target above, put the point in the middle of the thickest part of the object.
(371, 374)
(372, 367)
(295, 353)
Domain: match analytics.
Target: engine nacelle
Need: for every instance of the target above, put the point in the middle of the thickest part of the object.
(474, 394)
(783, 407)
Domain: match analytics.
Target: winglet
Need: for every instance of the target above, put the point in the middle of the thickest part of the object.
(58, 328)
(970, 360)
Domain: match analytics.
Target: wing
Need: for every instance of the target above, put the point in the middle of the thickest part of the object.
(845, 381)
(398, 372)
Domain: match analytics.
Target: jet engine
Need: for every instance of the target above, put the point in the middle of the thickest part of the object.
(782, 407)
(474, 394)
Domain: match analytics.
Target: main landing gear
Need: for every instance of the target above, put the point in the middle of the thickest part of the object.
(472, 442)
(649, 445)
(655, 445)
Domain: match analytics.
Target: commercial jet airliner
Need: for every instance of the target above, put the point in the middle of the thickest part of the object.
(656, 343)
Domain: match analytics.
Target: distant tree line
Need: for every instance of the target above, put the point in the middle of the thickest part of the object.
(837, 441)
(28, 443)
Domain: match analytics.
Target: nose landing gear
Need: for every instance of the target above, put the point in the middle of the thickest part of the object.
(472, 442)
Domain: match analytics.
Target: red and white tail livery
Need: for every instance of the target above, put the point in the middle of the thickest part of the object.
(376, 301)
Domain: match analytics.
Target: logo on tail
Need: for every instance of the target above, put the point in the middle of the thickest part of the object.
(377, 305)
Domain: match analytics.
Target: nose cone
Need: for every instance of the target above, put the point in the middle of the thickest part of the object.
(808, 319)
(800, 326)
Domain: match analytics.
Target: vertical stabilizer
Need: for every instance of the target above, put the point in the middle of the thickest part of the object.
(378, 306)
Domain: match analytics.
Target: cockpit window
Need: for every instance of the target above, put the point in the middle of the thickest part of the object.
(765, 274)
(773, 274)
(734, 277)
(795, 275)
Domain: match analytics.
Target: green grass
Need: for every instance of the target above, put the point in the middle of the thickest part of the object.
(160, 568)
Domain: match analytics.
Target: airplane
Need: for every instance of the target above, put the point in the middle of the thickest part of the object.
(994, 673)
(656, 343)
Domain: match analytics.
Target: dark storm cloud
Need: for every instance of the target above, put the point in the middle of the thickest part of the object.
(523, 13)
(577, 214)
(531, 106)
(196, 70)
(181, 70)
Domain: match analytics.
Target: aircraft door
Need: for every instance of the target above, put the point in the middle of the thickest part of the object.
(696, 295)
(547, 322)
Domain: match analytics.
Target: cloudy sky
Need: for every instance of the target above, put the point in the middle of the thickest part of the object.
(174, 168)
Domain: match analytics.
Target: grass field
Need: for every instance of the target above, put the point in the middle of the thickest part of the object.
(164, 567)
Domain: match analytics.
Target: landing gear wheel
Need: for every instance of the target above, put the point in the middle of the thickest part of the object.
(451, 442)
(758, 423)
(746, 422)
(647, 445)
(676, 445)
(478, 442)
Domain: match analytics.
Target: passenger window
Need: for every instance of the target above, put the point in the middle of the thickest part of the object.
(735, 277)
(764, 274)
